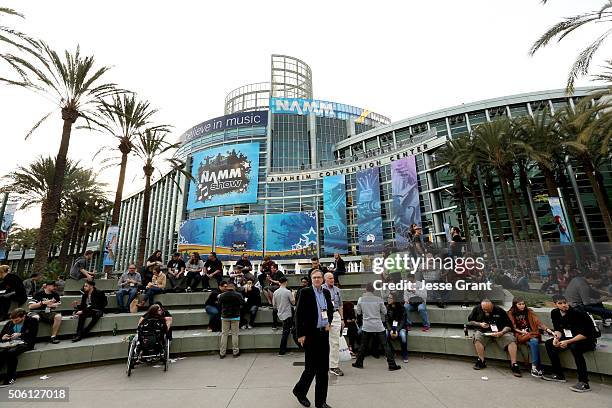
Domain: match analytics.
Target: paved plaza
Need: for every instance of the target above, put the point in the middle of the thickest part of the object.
(265, 380)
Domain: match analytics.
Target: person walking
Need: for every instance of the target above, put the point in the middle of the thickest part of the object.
(336, 326)
(314, 315)
(283, 301)
(231, 303)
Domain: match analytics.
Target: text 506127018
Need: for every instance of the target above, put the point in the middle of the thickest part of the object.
(33, 394)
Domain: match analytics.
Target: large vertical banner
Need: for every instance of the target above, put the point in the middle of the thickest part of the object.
(224, 175)
(196, 235)
(239, 234)
(291, 235)
(334, 213)
(406, 207)
(5, 225)
(369, 220)
(110, 245)
(565, 235)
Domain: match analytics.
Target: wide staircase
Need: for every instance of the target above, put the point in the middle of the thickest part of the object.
(108, 340)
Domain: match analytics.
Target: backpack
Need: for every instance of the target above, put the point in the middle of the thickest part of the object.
(596, 331)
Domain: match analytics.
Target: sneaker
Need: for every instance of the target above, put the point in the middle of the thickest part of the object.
(8, 382)
(516, 370)
(275, 328)
(536, 373)
(188, 290)
(243, 327)
(356, 365)
(222, 356)
(54, 340)
(554, 377)
(580, 387)
(406, 360)
(236, 354)
(77, 338)
(607, 323)
(395, 367)
(249, 326)
(479, 365)
(336, 371)
(425, 328)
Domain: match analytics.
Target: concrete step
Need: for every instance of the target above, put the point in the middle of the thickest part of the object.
(440, 340)
(453, 316)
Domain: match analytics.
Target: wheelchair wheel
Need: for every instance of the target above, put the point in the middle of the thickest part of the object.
(167, 355)
(131, 356)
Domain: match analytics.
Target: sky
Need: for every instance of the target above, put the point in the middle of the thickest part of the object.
(399, 59)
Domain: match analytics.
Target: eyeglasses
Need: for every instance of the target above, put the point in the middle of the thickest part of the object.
(317, 277)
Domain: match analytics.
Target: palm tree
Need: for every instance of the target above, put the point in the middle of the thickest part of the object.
(495, 148)
(568, 25)
(123, 118)
(585, 141)
(150, 146)
(452, 154)
(24, 238)
(75, 84)
(12, 39)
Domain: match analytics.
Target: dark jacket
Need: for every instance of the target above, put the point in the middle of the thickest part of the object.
(98, 300)
(253, 296)
(575, 320)
(230, 303)
(13, 283)
(340, 266)
(29, 331)
(307, 312)
(213, 298)
(396, 312)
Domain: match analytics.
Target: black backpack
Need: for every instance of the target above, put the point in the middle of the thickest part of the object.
(596, 330)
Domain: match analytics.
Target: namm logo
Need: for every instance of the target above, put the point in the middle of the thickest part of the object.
(298, 106)
(222, 174)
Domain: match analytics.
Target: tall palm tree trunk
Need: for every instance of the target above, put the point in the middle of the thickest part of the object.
(565, 188)
(509, 206)
(50, 208)
(21, 264)
(462, 207)
(491, 192)
(479, 211)
(63, 255)
(144, 221)
(601, 201)
(516, 202)
(119, 192)
(85, 239)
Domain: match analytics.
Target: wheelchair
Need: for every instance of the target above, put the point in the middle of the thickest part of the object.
(149, 345)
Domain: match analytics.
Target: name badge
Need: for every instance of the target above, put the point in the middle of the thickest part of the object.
(568, 333)
(324, 314)
(246, 299)
(394, 323)
(333, 303)
(131, 284)
(494, 328)
(345, 331)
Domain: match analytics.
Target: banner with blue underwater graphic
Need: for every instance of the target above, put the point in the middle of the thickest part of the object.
(369, 220)
(291, 234)
(406, 207)
(239, 234)
(334, 213)
(224, 175)
(196, 235)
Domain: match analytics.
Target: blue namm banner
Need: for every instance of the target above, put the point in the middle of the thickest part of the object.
(196, 235)
(239, 234)
(406, 207)
(369, 220)
(291, 234)
(224, 175)
(565, 236)
(334, 213)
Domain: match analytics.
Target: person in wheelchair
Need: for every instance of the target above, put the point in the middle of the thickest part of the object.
(151, 343)
(155, 313)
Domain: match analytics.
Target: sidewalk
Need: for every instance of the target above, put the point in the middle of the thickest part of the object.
(265, 380)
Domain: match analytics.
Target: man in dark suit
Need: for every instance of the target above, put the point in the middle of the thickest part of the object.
(92, 305)
(313, 318)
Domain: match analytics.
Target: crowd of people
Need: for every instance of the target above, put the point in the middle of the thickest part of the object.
(372, 326)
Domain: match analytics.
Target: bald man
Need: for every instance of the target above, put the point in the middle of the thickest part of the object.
(492, 325)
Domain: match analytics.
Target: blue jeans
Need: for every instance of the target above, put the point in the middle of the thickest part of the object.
(131, 292)
(533, 344)
(422, 309)
(151, 292)
(214, 321)
(403, 336)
